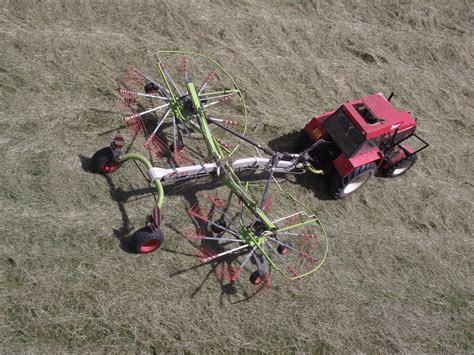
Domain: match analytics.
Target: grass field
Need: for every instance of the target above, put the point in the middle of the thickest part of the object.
(399, 276)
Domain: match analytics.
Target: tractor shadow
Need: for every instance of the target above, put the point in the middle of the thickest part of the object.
(292, 143)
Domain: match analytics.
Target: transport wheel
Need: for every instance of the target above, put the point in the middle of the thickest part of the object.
(400, 167)
(341, 187)
(103, 161)
(145, 240)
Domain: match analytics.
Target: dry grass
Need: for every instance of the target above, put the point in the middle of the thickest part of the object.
(399, 274)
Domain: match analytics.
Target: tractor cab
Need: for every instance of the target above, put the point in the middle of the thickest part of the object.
(362, 134)
(366, 124)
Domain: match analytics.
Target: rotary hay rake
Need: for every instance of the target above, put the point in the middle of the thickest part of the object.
(196, 130)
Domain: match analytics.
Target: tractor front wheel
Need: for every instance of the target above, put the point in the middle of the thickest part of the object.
(102, 161)
(146, 240)
(400, 167)
(340, 187)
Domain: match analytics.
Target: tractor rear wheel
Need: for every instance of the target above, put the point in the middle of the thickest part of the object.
(400, 167)
(340, 187)
(102, 161)
(146, 240)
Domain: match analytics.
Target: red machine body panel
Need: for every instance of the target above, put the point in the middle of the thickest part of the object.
(314, 128)
(345, 165)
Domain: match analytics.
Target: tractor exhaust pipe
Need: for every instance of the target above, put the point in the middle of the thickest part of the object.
(390, 96)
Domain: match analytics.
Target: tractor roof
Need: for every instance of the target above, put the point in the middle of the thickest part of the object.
(375, 115)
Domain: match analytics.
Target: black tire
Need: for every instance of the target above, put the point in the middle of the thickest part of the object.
(283, 249)
(146, 240)
(256, 278)
(151, 88)
(400, 167)
(216, 229)
(102, 161)
(340, 187)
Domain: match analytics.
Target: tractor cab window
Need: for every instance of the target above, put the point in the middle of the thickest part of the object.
(343, 132)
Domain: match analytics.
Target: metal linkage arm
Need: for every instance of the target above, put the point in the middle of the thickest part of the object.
(259, 146)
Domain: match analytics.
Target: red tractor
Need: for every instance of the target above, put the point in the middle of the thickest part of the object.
(360, 138)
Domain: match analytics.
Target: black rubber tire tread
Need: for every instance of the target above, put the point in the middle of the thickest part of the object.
(282, 249)
(255, 278)
(151, 88)
(102, 156)
(144, 235)
(337, 183)
(388, 172)
(215, 229)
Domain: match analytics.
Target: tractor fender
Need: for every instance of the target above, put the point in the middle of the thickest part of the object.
(397, 155)
(345, 165)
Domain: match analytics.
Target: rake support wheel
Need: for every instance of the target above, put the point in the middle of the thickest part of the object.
(256, 278)
(216, 227)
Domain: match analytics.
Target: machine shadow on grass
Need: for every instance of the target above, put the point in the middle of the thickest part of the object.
(291, 143)
(120, 197)
(218, 268)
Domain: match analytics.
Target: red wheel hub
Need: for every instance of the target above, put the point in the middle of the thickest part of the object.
(149, 246)
(109, 167)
